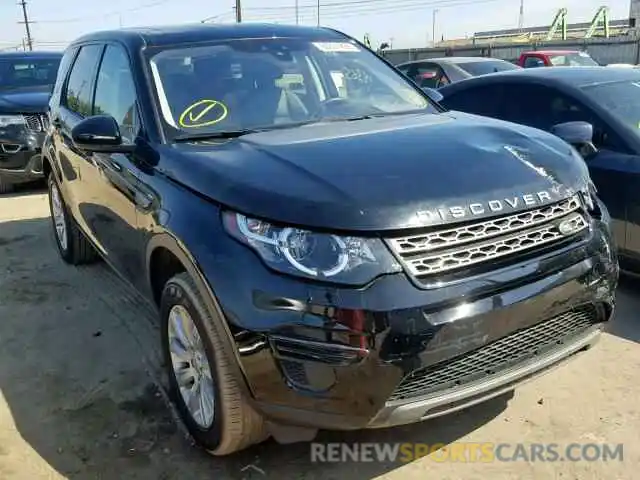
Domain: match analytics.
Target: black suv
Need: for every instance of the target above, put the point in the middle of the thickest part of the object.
(327, 247)
(26, 81)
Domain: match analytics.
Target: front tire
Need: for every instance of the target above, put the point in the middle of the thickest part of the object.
(73, 246)
(5, 186)
(205, 390)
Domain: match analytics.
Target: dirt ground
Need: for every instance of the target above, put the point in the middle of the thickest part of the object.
(81, 389)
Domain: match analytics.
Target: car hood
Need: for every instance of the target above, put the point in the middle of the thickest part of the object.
(385, 173)
(24, 101)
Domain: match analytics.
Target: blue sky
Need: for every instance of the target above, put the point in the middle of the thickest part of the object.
(407, 22)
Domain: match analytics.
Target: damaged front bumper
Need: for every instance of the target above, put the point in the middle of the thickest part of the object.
(393, 353)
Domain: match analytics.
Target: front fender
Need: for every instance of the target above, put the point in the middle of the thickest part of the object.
(180, 250)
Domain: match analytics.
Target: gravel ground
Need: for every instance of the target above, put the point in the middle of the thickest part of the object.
(81, 392)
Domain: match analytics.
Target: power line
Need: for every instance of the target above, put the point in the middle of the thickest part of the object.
(108, 14)
(392, 7)
(341, 4)
(215, 17)
(23, 3)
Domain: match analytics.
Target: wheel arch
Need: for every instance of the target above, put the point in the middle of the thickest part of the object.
(164, 247)
(48, 164)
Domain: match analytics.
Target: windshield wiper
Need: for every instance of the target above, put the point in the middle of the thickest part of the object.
(369, 116)
(213, 135)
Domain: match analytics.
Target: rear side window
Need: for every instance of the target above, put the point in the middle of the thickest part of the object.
(63, 69)
(484, 100)
(531, 62)
(79, 87)
(116, 93)
(482, 68)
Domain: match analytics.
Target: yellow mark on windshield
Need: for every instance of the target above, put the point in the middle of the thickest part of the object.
(198, 114)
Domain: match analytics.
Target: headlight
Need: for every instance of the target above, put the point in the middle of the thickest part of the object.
(6, 120)
(320, 256)
(589, 196)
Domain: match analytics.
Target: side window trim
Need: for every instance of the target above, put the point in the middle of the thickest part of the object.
(125, 52)
(60, 87)
(65, 85)
(94, 76)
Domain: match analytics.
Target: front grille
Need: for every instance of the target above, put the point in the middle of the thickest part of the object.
(447, 250)
(498, 356)
(37, 122)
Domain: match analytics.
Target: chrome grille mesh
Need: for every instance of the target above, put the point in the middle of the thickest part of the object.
(447, 250)
(498, 356)
(36, 122)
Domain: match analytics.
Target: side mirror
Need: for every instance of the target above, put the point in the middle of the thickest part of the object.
(99, 133)
(578, 134)
(433, 94)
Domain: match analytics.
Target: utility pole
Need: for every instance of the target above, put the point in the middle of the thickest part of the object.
(521, 17)
(238, 12)
(433, 28)
(318, 14)
(297, 13)
(23, 3)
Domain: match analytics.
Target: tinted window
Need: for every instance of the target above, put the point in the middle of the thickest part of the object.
(531, 62)
(426, 75)
(541, 107)
(621, 99)
(28, 72)
(484, 100)
(78, 94)
(484, 67)
(63, 69)
(261, 83)
(115, 92)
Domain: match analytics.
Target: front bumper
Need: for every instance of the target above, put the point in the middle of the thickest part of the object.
(20, 154)
(392, 353)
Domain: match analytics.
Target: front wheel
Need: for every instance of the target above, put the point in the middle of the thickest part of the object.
(204, 387)
(73, 246)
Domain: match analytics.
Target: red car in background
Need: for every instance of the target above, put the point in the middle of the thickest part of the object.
(556, 58)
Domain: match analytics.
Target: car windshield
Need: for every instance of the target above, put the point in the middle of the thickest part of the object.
(18, 73)
(487, 66)
(574, 59)
(621, 99)
(255, 84)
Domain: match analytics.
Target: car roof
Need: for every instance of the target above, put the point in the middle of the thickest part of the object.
(454, 60)
(552, 52)
(32, 54)
(567, 76)
(160, 36)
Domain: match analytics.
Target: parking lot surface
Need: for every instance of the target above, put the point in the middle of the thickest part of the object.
(82, 390)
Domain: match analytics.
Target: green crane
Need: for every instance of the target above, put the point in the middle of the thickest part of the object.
(559, 21)
(601, 16)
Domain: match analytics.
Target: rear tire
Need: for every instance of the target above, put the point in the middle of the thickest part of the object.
(5, 186)
(233, 424)
(73, 246)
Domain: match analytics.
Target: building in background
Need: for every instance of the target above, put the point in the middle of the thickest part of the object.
(634, 14)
